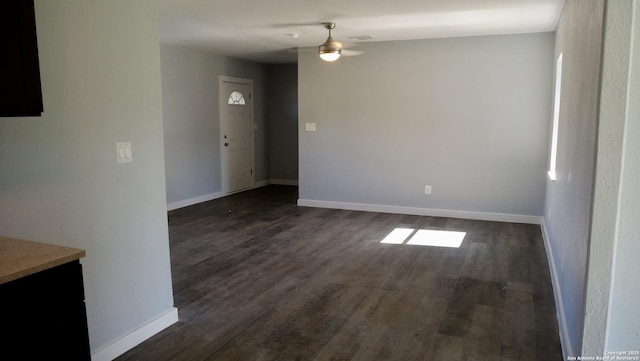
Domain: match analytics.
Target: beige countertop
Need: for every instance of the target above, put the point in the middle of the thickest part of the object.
(20, 258)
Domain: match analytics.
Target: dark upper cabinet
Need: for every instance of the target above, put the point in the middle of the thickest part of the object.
(20, 91)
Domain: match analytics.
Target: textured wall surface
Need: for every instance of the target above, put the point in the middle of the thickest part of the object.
(624, 314)
(568, 203)
(611, 128)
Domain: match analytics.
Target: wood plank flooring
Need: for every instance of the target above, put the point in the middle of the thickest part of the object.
(257, 278)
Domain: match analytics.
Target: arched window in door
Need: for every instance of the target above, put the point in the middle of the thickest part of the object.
(236, 98)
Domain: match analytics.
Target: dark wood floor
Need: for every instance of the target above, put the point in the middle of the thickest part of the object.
(257, 278)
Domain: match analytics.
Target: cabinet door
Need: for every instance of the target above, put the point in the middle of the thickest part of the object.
(20, 91)
(43, 316)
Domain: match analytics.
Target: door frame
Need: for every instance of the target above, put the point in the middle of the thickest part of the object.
(224, 161)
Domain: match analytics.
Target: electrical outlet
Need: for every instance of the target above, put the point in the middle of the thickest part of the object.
(427, 189)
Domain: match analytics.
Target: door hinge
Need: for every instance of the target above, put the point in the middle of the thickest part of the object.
(252, 171)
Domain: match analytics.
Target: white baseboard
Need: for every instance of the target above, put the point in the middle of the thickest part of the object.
(191, 201)
(211, 196)
(261, 184)
(555, 281)
(285, 182)
(136, 337)
(483, 216)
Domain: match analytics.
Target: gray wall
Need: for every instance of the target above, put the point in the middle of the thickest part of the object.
(591, 218)
(282, 96)
(568, 199)
(59, 181)
(192, 120)
(612, 284)
(468, 116)
(624, 318)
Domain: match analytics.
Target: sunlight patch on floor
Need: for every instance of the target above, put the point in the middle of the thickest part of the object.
(425, 237)
(398, 236)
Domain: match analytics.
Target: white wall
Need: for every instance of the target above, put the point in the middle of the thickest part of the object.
(59, 181)
(468, 116)
(624, 315)
(567, 216)
(612, 318)
(192, 121)
(592, 217)
(611, 123)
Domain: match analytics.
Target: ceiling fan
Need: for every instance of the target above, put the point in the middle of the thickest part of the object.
(331, 50)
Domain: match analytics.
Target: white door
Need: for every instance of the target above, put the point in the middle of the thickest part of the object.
(236, 132)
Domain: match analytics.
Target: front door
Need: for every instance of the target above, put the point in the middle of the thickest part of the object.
(236, 132)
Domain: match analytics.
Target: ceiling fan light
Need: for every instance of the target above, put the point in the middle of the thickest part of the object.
(330, 56)
(329, 50)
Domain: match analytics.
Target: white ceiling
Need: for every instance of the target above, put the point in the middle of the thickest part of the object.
(259, 30)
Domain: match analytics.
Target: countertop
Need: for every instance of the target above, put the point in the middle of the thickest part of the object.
(20, 258)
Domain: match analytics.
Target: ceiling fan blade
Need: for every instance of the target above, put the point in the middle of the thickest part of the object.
(293, 25)
(344, 52)
(302, 50)
(349, 52)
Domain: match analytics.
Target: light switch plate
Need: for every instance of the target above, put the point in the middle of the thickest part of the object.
(310, 127)
(123, 152)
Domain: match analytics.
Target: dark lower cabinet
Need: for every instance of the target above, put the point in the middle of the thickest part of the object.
(44, 316)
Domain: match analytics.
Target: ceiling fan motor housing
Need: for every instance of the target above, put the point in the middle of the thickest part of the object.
(330, 47)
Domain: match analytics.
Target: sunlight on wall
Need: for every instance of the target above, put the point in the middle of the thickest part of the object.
(556, 119)
(425, 237)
